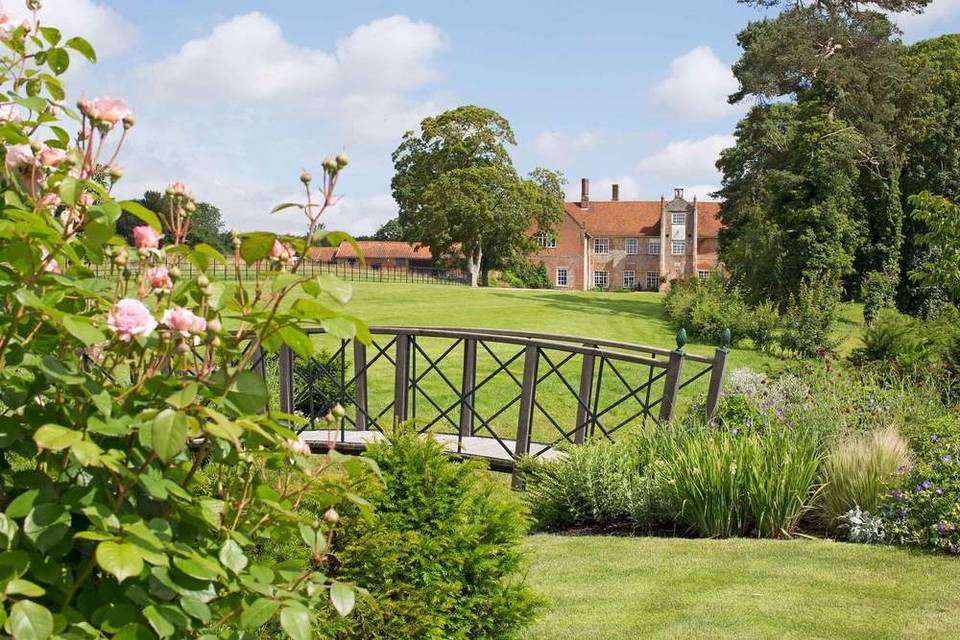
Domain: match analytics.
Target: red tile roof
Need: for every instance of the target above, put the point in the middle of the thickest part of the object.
(636, 217)
(372, 249)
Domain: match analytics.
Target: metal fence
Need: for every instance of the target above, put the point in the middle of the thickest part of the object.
(488, 393)
(349, 272)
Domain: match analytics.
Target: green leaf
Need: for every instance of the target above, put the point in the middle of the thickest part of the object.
(298, 341)
(51, 35)
(87, 453)
(231, 556)
(33, 103)
(82, 47)
(134, 631)
(46, 525)
(119, 559)
(195, 609)
(83, 330)
(159, 622)
(55, 437)
(168, 434)
(184, 397)
(337, 289)
(313, 537)
(256, 246)
(70, 189)
(342, 597)
(285, 205)
(18, 586)
(296, 622)
(340, 327)
(139, 211)
(257, 614)
(30, 621)
(210, 252)
(249, 393)
(58, 60)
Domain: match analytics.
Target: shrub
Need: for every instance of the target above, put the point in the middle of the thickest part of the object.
(597, 484)
(706, 307)
(523, 274)
(861, 527)
(440, 552)
(317, 388)
(117, 390)
(807, 324)
(761, 324)
(733, 482)
(858, 472)
(878, 292)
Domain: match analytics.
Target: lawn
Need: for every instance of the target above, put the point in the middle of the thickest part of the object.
(636, 317)
(613, 588)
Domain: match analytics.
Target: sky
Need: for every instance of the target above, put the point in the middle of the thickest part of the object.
(236, 97)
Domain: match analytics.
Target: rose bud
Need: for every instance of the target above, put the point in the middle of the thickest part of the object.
(342, 160)
(331, 516)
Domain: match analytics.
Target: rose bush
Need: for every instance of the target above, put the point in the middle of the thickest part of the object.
(115, 392)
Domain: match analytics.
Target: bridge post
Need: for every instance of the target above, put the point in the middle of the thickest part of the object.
(286, 379)
(469, 380)
(671, 386)
(583, 398)
(528, 393)
(360, 383)
(716, 382)
(401, 379)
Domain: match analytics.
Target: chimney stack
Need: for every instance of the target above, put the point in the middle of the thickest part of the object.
(584, 193)
(678, 193)
(615, 195)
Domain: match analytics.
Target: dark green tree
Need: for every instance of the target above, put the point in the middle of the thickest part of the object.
(459, 193)
(391, 230)
(206, 225)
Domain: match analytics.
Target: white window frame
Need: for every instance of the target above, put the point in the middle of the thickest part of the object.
(634, 250)
(545, 241)
(679, 218)
(566, 277)
(653, 246)
(632, 283)
(605, 278)
(598, 242)
(652, 280)
(678, 244)
(703, 275)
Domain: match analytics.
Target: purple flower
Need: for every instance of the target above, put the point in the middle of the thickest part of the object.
(926, 484)
(934, 438)
(947, 458)
(901, 468)
(941, 529)
(952, 549)
(897, 495)
(939, 491)
(749, 423)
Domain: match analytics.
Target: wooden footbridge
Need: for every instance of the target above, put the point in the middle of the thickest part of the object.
(488, 393)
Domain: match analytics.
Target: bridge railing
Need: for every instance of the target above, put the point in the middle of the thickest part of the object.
(491, 393)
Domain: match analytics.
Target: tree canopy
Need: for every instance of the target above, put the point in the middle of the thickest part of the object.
(459, 193)
(206, 223)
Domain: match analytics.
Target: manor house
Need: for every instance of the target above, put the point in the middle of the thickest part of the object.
(622, 244)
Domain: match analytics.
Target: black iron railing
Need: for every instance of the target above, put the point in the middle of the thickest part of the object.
(490, 393)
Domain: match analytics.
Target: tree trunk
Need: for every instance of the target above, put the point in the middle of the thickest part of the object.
(474, 256)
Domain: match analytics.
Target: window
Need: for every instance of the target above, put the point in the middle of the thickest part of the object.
(679, 248)
(653, 247)
(562, 280)
(630, 246)
(545, 241)
(679, 217)
(629, 279)
(653, 280)
(601, 245)
(703, 275)
(601, 279)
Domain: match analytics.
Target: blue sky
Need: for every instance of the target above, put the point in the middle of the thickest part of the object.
(234, 98)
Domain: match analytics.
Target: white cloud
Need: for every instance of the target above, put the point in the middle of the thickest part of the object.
(688, 161)
(362, 215)
(697, 87)
(366, 82)
(108, 32)
(916, 25)
(559, 147)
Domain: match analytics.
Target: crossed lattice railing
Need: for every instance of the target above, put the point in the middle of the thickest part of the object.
(491, 393)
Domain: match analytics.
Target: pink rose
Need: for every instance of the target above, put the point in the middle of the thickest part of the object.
(298, 446)
(281, 251)
(51, 266)
(158, 278)
(51, 157)
(19, 156)
(184, 321)
(177, 188)
(146, 237)
(7, 26)
(50, 200)
(106, 109)
(85, 200)
(9, 113)
(129, 319)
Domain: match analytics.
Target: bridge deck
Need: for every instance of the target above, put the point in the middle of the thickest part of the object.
(470, 447)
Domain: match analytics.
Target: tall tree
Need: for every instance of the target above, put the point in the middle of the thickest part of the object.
(839, 62)
(458, 190)
(391, 230)
(206, 224)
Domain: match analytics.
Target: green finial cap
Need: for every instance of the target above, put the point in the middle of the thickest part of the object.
(681, 338)
(725, 337)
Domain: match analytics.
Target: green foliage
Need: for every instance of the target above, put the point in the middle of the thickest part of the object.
(440, 552)
(912, 346)
(206, 223)
(459, 192)
(941, 237)
(117, 393)
(761, 324)
(878, 293)
(522, 273)
(732, 482)
(599, 484)
(807, 324)
(317, 388)
(857, 472)
(391, 230)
